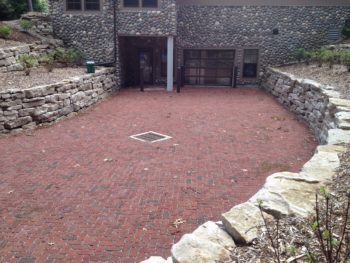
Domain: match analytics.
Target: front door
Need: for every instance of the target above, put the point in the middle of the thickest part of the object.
(146, 65)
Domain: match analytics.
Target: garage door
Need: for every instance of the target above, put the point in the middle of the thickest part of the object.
(209, 67)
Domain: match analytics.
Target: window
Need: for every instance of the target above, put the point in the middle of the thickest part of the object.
(141, 3)
(250, 63)
(74, 5)
(82, 5)
(92, 5)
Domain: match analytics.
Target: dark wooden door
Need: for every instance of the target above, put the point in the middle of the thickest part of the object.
(146, 65)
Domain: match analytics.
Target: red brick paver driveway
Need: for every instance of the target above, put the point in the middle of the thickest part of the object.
(82, 190)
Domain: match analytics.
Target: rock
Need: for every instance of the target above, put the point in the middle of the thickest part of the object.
(18, 122)
(208, 243)
(338, 136)
(242, 222)
(157, 260)
(339, 102)
(287, 194)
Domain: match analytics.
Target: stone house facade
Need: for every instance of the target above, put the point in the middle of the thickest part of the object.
(207, 39)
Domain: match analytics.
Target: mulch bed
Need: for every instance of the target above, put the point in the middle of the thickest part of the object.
(296, 236)
(338, 77)
(38, 76)
(17, 38)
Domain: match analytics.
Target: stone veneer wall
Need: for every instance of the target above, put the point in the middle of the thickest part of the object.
(25, 109)
(285, 193)
(240, 27)
(9, 55)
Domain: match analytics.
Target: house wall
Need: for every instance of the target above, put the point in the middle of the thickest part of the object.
(239, 27)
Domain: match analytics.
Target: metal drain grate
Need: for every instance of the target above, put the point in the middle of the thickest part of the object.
(150, 137)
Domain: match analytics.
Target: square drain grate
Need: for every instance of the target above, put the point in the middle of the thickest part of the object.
(150, 137)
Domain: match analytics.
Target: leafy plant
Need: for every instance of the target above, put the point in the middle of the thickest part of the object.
(301, 54)
(41, 6)
(28, 62)
(26, 24)
(48, 61)
(5, 31)
(68, 57)
(345, 59)
(316, 57)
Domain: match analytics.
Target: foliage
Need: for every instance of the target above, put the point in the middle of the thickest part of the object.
(345, 59)
(346, 31)
(301, 54)
(69, 56)
(13, 9)
(26, 24)
(330, 228)
(28, 62)
(41, 6)
(5, 31)
(48, 61)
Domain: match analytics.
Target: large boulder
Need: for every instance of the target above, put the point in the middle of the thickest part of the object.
(287, 194)
(157, 260)
(243, 221)
(209, 243)
(338, 136)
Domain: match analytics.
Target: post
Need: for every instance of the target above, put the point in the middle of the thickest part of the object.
(235, 76)
(141, 79)
(30, 5)
(170, 66)
(179, 80)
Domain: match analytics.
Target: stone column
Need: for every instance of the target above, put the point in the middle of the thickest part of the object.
(170, 67)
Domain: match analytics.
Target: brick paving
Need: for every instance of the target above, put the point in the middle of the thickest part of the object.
(83, 191)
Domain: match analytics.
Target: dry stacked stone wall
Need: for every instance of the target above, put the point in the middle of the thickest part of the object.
(9, 56)
(42, 23)
(25, 109)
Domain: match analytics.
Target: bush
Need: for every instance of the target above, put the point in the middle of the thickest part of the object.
(5, 31)
(26, 24)
(41, 6)
(345, 59)
(302, 54)
(48, 61)
(346, 31)
(69, 57)
(28, 62)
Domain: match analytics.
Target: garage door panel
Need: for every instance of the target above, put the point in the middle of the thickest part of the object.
(209, 67)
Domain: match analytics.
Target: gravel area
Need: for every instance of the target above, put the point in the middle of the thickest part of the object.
(296, 237)
(38, 76)
(338, 77)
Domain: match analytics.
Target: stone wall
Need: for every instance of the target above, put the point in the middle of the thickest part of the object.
(157, 22)
(284, 194)
(240, 27)
(9, 56)
(25, 109)
(42, 23)
(307, 98)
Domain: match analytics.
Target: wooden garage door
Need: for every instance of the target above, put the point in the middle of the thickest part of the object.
(209, 67)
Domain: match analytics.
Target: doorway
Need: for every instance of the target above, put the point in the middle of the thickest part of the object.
(146, 65)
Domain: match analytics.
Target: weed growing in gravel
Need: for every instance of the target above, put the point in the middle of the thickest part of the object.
(28, 62)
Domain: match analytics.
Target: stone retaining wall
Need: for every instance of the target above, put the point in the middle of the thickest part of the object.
(42, 23)
(283, 194)
(9, 56)
(25, 109)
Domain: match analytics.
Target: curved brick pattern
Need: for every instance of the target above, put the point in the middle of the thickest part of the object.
(24, 109)
(83, 190)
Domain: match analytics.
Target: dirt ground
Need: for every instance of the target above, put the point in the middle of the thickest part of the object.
(38, 76)
(17, 38)
(338, 77)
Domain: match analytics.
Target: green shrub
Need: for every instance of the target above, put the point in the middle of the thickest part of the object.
(41, 6)
(302, 54)
(69, 57)
(26, 24)
(48, 61)
(346, 31)
(316, 57)
(345, 59)
(5, 31)
(28, 62)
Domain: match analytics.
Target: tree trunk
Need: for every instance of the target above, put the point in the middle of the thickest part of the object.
(30, 5)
